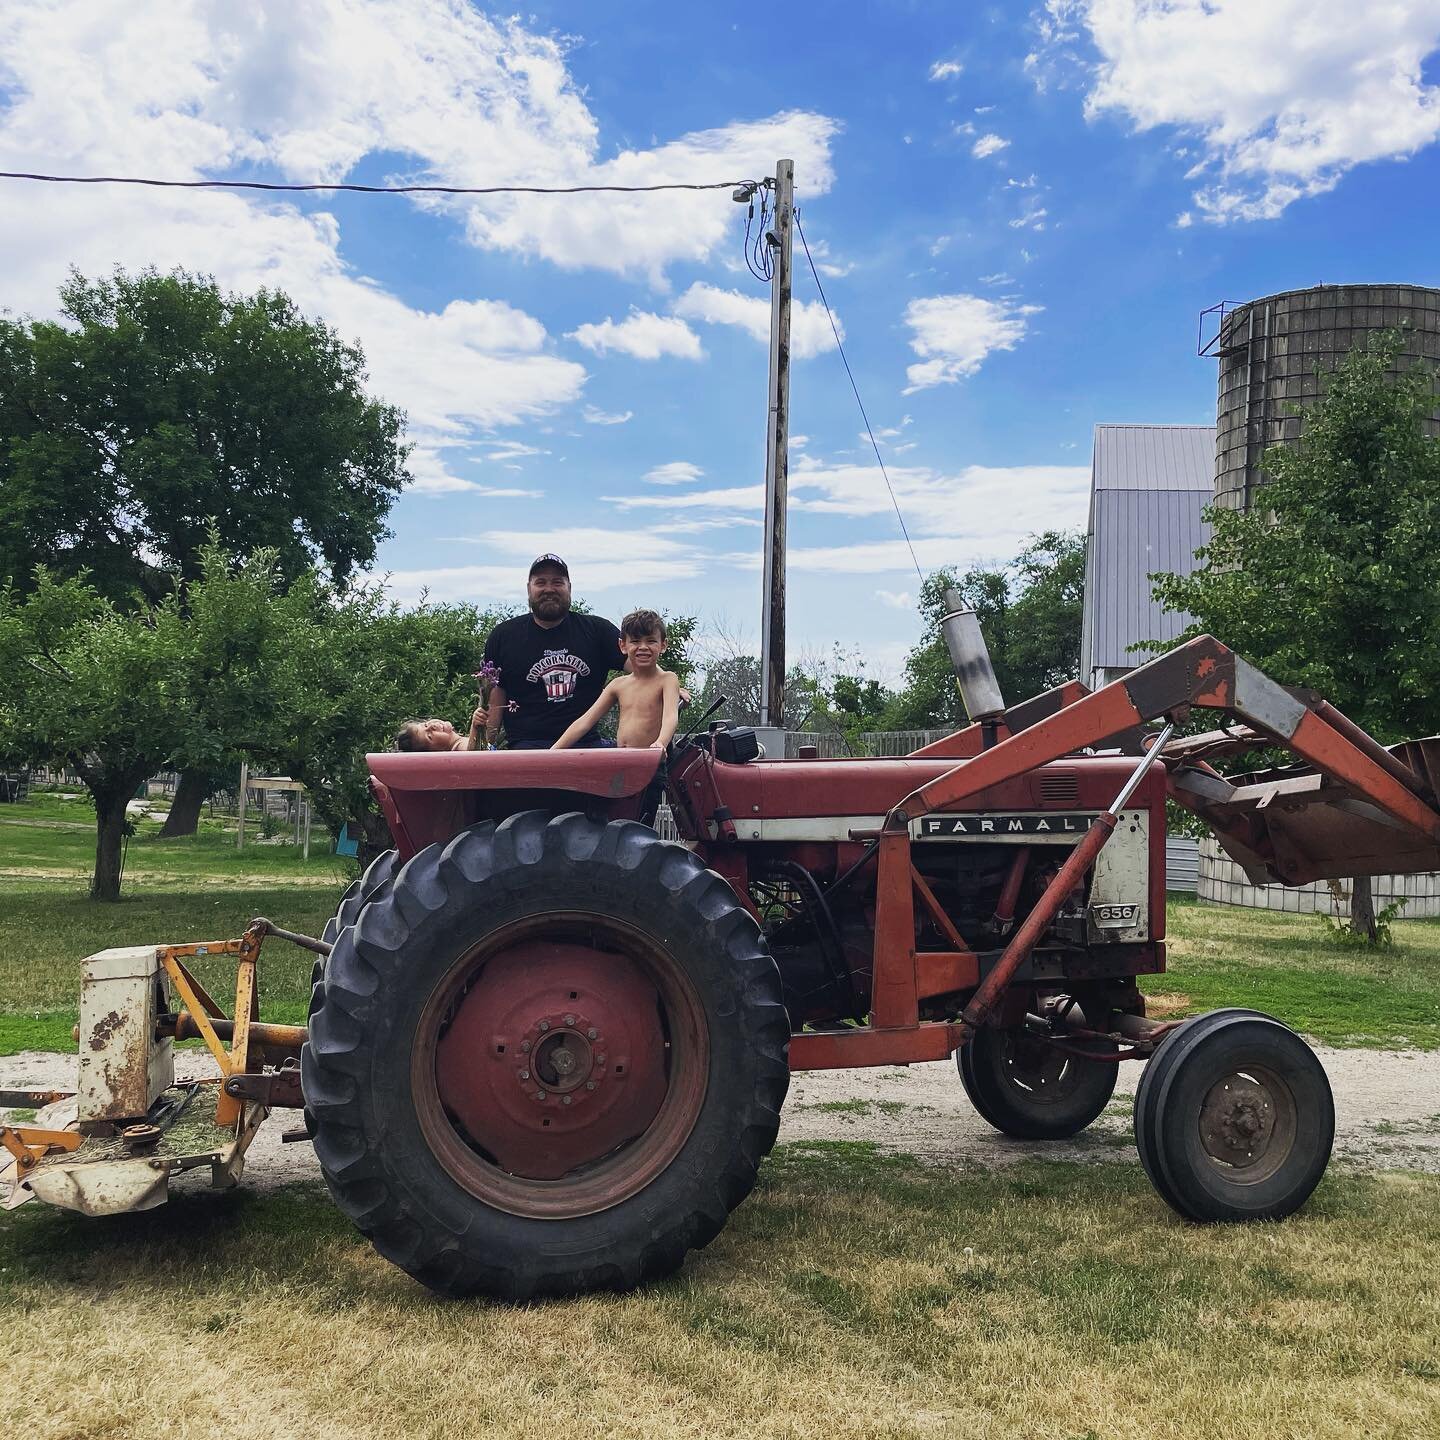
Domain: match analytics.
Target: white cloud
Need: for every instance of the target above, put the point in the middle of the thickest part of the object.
(945, 69)
(1032, 217)
(799, 442)
(642, 334)
(432, 477)
(810, 332)
(1284, 97)
(953, 334)
(998, 278)
(739, 498)
(989, 144)
(900, 600)
(592, 415)
(675, 472)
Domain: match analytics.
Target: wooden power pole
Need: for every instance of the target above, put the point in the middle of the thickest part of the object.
(777, 456)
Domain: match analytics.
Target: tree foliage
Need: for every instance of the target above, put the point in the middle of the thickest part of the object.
(159, 407)
(1334, 583)
(116, 695)
(1029, 613)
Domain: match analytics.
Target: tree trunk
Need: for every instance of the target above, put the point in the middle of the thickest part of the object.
(191, 793)
(109, 843)
(1362, 909)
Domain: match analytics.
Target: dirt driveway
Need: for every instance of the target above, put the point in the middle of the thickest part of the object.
(1387, 1114)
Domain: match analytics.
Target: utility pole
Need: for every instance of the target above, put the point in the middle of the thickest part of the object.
(777, 456)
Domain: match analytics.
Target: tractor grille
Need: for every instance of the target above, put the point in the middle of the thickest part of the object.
(1059, 788)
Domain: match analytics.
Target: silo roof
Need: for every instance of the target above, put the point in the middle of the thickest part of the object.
(1148, 486)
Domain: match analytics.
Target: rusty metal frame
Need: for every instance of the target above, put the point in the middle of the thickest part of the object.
(246, 1035)
(1201, 673)
(30, 1144)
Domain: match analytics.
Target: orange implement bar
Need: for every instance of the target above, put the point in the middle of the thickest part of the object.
(841, 1049)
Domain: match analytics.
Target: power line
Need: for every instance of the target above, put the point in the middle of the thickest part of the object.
(835, 330)
(372, 189)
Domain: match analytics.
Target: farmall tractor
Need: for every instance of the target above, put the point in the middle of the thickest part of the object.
(547, 1048)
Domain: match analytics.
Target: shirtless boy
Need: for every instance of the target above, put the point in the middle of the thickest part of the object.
(648, 697)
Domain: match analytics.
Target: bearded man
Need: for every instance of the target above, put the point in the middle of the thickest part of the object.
(552, 664)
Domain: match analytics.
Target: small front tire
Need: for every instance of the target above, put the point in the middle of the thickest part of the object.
(1234, 1118)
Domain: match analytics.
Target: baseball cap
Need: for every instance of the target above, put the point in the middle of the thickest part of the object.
(550, 562)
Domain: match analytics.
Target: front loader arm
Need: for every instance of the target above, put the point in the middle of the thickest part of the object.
(1206, 673)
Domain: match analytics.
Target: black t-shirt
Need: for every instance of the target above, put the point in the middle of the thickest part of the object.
(554, 675)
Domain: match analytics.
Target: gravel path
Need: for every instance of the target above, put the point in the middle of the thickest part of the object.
(1387, 1114)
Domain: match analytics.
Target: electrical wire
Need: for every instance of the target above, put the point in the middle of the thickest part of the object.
(372, 189)
(835, 330)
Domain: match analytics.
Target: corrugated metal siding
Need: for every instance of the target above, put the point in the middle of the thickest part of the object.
(1154, 457)
(1137, 533)
(1148, 485)
(1182, 864)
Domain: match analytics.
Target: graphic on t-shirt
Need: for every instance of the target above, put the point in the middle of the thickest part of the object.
(558, 670)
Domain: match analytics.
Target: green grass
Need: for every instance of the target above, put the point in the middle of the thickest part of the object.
(51, 838)
(855, 1294)
(1388, 996)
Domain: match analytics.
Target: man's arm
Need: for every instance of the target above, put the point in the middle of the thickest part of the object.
(493, 715)
(588, 721)
(670, 716)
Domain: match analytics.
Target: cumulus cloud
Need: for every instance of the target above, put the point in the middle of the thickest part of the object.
(810, 332)
(989, 144)
(945, 69)
(953, 335)
(1283, 98)
(641, 334)
(593, 415)
(675, 472)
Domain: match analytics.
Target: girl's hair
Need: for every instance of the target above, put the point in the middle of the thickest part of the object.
(407, 736)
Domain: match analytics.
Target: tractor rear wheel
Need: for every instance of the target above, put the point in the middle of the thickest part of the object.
(549, 1059)
(1234, 1118)
(1030, 1089)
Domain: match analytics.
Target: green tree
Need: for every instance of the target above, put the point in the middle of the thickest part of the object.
(114, 694)
(160, 409)
(1029, 613)
(1334, 583)
(356, 667)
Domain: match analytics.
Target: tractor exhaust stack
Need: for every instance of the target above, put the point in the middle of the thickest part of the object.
(970, 659)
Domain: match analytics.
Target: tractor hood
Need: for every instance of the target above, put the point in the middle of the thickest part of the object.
(428, 797)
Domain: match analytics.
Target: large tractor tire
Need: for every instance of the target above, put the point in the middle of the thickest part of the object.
(1031, 1090)
(376, 877)
(1234, 1119)
(549, 1059)
(373, 882)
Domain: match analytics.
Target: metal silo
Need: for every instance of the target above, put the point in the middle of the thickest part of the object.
(1273, 352)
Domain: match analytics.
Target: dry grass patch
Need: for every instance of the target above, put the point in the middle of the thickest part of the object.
(854, 1295)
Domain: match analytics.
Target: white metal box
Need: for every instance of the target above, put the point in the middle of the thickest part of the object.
(123, 1067)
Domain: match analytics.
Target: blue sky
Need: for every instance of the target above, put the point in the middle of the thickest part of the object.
(1019, 211)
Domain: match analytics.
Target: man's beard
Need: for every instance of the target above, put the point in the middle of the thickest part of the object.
(548, 607)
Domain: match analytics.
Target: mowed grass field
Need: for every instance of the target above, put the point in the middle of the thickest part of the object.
(197, 888)
(855, 1294)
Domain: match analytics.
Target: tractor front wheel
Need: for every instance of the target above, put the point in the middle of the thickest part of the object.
(549, 1059)
(1234, 1118)
(1030, 1089)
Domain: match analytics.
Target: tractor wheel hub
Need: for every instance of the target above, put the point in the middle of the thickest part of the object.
(553, 1058)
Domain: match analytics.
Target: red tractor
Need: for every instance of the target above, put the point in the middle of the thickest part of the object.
(548, 1050)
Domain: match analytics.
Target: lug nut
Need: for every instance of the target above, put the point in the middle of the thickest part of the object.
(569, 1019)
(589, 1084)
(524, 1074)
(539, 1094)
(591, 1033)
(544, 1024)
(525, 1045)
(564, 1099)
